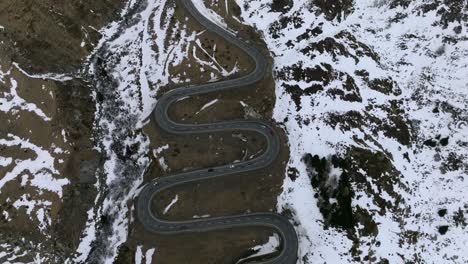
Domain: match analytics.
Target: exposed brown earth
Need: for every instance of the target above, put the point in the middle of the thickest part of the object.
(43, 37)
(46, 36)
(222, 247)
(235, 194)
(208, 150)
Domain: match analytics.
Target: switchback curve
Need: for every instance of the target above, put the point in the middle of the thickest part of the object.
(289, 242)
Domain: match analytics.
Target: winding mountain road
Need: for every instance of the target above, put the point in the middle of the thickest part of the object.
(289, 242)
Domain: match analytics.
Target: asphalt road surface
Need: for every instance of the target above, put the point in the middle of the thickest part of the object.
(289, 242)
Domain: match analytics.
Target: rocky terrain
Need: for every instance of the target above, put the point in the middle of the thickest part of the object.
(373, 98)
(47, 155)
(370, 98)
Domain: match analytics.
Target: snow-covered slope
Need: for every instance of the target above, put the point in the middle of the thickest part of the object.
(373, 96)
(135, 58)
(32, 162)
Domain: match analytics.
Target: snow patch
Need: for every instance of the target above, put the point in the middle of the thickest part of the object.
(148, 256)
(169, 206)
(59, 77)
(11, 101)
(205, 106)
(41, 167)
(269, 247)
(210, 14)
